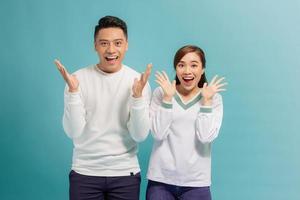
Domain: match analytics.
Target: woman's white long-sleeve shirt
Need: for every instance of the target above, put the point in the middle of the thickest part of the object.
(105, 122)
(183, 133)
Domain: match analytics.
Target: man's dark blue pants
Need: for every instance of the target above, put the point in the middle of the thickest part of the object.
(84, 187)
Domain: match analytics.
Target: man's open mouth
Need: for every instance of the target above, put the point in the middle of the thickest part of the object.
(111, 58)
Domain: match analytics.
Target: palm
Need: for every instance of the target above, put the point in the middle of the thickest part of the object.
(137, 88)
(209, 91)
(163, 80)
(216, 85)
(71, 80)
(138, 85)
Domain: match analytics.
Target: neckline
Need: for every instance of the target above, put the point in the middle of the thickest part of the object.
(106, 73)
(189, 103)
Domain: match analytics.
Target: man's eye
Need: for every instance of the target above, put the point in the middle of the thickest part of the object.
(104, 44)
(180, 65)
(193, 66)
(118, 43)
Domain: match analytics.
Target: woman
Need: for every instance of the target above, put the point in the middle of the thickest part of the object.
(186, 117)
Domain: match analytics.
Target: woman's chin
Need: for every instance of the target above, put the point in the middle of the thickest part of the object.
(188, 87)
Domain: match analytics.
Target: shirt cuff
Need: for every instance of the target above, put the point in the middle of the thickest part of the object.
(206, 109)
(137, 102)
(167, 105)
(73, 97)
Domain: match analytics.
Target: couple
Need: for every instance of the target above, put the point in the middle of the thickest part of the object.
(107, 113)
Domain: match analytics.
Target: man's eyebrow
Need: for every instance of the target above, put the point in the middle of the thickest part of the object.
(112, 40)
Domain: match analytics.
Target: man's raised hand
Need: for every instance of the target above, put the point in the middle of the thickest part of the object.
(138, 85)
(71, 80)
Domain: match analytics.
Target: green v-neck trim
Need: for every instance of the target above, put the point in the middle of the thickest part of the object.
(190, 103)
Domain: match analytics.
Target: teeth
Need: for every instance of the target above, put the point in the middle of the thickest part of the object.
(188, 78)
(111, 57)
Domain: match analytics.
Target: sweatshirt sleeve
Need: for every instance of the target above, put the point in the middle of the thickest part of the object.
(74, 113)
(209, 120)
(139, 121)
(160, 115)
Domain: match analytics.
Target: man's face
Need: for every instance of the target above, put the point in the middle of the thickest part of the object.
(111, 46)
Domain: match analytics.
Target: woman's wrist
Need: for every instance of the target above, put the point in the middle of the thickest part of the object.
(167, 98)
(206, 101)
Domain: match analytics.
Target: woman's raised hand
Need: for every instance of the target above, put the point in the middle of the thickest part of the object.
(169, 88)
(209, 90)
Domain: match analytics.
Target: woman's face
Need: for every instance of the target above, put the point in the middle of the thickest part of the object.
(189, 71)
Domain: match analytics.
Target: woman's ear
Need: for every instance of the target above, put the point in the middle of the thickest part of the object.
(203, 70)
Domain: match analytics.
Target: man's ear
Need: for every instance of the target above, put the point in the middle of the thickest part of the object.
(126, 45)
(95, 45)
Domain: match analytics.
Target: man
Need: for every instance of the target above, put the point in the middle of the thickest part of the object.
(106, 113)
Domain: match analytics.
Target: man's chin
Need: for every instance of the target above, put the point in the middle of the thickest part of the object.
(111, 67)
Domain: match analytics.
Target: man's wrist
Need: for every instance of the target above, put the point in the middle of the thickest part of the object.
(137, 95)
(73, 90)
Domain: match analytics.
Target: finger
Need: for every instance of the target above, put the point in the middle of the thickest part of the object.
(58, 64)
(159, 83)
(213, 80)
(159, 76)
(147, 73)
(219, 80)
(62, 69)
(149, 68)
(136, 80)
(160, 79)
(221, 85)
(142, 77)
(165, 76)
(221, 90)
(145, 77)
(204, 85)
(174, 83)
(65, 74)
(134, 83)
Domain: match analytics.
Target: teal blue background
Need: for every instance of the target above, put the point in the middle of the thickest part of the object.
(255, 44)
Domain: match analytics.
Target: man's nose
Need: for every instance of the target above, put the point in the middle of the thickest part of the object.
(111, 48)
